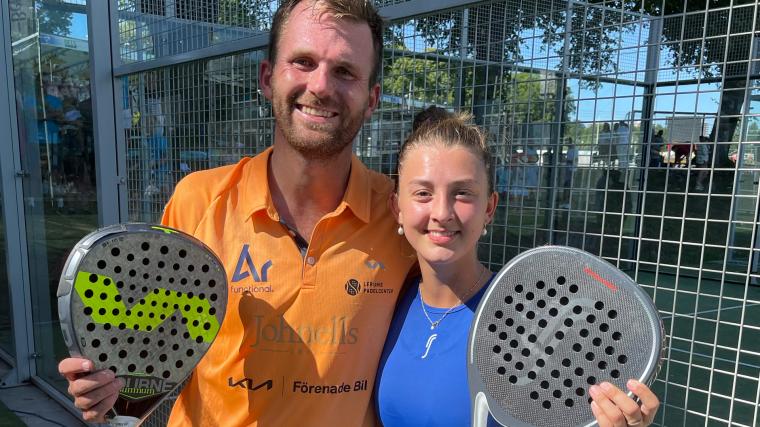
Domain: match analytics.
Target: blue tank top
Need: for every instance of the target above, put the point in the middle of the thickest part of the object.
(422, 376)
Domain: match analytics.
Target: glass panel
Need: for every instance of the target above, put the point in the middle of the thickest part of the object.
(51, 72)
(6, 328)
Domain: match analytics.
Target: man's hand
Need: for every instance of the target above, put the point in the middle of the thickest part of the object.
(613, 408)
(94, 392)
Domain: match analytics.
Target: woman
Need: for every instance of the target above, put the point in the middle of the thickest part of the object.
(443, 202)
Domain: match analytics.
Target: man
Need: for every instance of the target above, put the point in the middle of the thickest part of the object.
(309, 211)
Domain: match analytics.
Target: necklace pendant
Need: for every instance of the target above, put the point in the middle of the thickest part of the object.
(433, 325)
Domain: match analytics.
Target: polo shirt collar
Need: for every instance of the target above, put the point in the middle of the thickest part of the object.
(256, 195)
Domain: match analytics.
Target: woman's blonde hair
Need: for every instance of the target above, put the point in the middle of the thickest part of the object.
(450, 130)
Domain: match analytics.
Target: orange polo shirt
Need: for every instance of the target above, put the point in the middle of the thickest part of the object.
(302, 335)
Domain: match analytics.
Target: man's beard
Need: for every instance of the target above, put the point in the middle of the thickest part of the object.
(319, 141)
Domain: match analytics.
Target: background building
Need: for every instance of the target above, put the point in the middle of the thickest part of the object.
(107, 104)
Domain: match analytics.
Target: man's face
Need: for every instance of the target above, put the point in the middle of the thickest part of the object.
(319, 82)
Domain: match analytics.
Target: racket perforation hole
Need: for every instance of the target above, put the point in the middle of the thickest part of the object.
(497, 349)
(529, 296)
(213, 297)
(166, 374)
(540, 284)
(596, 341)
(591, 318)
(604, 327)
(162, 358)
(561, 280)
(206, 326)
(557, 394)
(132, 273)
(568, 322)
(532, 338)
(615, 373)
(591, 380)
(164, 250)
(509, 322)
(95, 343)
(102, 311)
(513, 379)
(573, 288)
(542, 323)
(501, 370)
(579, 371)
(616, 336)
(178, 364)
(519, 366)
(610, 350)
(507, 357)
(503, 336)
(599, 305)
(114, 341)
(540, 363)
(492, 327)
(547, 404)
(544, 385)
(499, 314)
(131, 367)
(190, 352)
(622, 359)
(117, 269)
(88, 293)
(103, 357)
(566, 363)
(568, 383)
(569, 403)
(532, 375)
(205, 268)
(190, 267)
(90, 327)
(564, 300)
(115, 251)
(145, 246)
(518, 288)
(149, 369)
(602, 365)
(577, 309)
(551, 292)
(534, 395)
(101, 264)
(143, 354)
(559, 335)
(590, 356)
(122, 354)
(130, 257)
(577, 347)
(146, 261)
(612, 314)
(199, 309)
(549, 350)
(199, 339)
(211, 284)
(583, 332)
(182, 253)
(161, 264)
(513, 343)
(580, 391)
(555, 373)
(520, 329)
(530, 315)
(93, 278)
(87, 311)
(541, 303)
(519, 307)
(553, 312)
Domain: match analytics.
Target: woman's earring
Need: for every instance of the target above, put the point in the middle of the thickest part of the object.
(485, 231)
(400, 230)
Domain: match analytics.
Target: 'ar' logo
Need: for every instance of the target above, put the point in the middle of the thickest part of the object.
(245, 267)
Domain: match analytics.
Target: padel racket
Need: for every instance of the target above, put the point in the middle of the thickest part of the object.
(555, 321)
(145, 302)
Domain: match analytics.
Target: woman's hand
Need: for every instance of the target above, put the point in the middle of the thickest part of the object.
(613, 408)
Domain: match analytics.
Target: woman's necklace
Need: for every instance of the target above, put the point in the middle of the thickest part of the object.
(434, 324)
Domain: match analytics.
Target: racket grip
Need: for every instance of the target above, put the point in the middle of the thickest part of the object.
(480, 410)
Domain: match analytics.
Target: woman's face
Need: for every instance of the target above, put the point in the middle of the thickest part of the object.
(443, 202)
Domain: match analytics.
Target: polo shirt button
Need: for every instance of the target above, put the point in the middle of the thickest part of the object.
(311, 260)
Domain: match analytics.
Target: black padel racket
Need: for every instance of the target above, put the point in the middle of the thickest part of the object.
(146, 302)
(554, 321)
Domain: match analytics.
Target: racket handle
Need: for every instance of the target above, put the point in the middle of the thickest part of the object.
(122, 421)
(480, 410)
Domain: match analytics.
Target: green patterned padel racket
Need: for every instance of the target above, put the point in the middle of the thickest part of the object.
(146, 302)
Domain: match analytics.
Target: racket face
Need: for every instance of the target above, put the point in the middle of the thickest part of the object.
(555, 321)
(144, 301)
